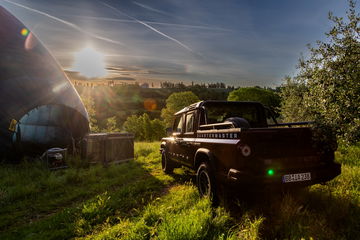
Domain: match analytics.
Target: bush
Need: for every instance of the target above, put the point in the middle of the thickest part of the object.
(175, 102)
(144, 128)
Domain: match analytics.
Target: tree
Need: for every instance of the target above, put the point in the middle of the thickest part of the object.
(89, 104)
(331, 77)
(111, 125)
(175, 102)
(158, 129)
(133, 124)
(144, 128)
(265, 96)
(293, 96)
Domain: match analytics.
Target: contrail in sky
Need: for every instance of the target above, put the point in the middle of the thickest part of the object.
(152, 28)
(151, 9)
(74, 26)
(157, 23)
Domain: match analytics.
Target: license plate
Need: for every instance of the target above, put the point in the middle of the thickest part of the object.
(296, 177)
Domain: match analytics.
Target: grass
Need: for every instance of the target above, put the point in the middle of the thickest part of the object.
(136, 200)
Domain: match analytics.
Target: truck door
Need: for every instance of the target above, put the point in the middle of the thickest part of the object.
(187, 147)
(178, 130)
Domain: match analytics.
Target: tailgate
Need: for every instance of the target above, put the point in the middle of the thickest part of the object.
(286, 147)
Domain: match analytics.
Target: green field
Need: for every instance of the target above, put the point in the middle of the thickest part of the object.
(136, 200)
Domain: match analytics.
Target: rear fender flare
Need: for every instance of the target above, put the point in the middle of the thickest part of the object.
(204, 155)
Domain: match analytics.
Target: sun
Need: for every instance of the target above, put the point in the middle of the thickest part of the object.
(89, 63)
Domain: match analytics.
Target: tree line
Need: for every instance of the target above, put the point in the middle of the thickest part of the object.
(326, 89)
(181, 85)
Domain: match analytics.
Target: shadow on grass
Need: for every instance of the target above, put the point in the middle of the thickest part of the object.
(39, 204)
(300, 214)
(317, 212)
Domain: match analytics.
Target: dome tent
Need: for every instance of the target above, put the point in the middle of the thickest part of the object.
(39, 107)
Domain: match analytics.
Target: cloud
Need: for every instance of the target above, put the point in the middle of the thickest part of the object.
(74, 75)
(123, 69)
(72, 25)
(121, 79)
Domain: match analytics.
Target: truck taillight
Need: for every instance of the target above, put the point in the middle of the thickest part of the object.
(245, 150)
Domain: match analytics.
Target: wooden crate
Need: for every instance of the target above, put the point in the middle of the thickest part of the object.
(108, 148)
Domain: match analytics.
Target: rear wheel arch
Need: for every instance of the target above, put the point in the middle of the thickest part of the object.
(203, 155)
(205, 178)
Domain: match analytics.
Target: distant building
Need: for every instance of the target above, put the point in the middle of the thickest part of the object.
(144, 85)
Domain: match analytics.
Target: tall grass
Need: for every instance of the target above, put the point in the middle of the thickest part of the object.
(136, 200)
(181, 214)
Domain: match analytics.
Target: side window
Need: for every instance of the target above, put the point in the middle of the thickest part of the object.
(178, 124)
(269, 117)
(202, 116)
(190, 118)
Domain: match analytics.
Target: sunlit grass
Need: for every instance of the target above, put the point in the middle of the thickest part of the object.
(180, 214)
(136, 200)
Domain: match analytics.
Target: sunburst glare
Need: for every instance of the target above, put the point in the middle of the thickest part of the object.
(89, 63)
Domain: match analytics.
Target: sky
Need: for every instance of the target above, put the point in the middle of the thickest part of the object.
(238, 42)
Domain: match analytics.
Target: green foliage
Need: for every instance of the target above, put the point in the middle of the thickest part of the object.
(144, 128)
(123, 101)
(175, 102)
(265, 96)
(134, 124)
(349, 155)
(89, 104)
(111, 125)
(292, 95)
(329, 79)
(158, 130)
(250, 227)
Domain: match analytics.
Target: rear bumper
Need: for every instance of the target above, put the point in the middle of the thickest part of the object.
(319, 174)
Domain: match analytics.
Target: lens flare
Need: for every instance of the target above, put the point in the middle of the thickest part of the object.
(30, 41)
(150, 104)
(24, 32)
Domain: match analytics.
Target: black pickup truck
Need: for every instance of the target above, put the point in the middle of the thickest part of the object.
(240, 144)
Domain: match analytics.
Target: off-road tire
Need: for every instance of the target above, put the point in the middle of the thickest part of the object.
(205, 182)
(166, 164)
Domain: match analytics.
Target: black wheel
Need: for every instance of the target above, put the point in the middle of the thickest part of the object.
(166, 164)
(205, 182)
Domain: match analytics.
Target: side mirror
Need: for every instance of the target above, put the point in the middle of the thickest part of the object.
(169, 131)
